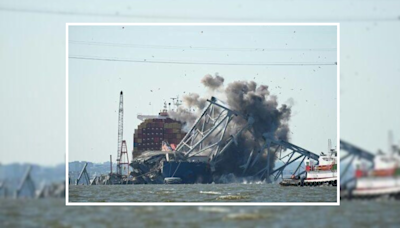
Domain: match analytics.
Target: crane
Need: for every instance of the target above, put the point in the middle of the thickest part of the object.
(120, 131)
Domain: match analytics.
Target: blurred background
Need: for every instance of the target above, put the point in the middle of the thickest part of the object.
(32, 87)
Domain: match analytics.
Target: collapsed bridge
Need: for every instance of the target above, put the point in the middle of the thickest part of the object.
(224, 140)
(352, 154)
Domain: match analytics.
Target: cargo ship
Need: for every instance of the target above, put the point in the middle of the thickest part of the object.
(155, 129)
(382, 180)
(322, 173)
(154, 142)
(190, 172)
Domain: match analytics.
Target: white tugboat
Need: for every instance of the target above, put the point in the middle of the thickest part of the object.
(322, 173)
(382, 180)
(375, 176)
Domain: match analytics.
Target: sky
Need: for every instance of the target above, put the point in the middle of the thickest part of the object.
(33, 56)
(94, 85)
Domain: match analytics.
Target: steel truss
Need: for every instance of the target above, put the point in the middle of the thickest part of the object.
(353, 152)
(123, 161)
(208, 133)
(83, 175)
(272, 148)
(26, 183)
(208, 137)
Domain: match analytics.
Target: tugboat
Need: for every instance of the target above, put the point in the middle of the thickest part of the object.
(382, 180)
(324, 173)
(172, 180)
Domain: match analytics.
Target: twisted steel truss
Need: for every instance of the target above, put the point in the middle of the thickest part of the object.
(83, 177)
(352, 152)
(208, 137)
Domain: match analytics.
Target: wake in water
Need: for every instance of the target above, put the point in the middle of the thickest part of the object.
(232, 197)
(232, 179)
(210, 193)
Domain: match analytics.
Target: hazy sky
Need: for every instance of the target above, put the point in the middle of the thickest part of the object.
(95, 85)
(32, 56)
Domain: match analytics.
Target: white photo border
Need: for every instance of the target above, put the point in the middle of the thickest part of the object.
(337, 203)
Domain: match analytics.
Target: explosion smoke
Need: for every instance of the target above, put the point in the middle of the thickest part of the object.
(212, 82)
(249, 99)
(193, 100)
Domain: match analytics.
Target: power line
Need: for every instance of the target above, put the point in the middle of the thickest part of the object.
(208, 18)
(196, 48)
(205, 63)
(85, 14)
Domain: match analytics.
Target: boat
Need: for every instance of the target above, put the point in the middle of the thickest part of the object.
(172, 180)
(325, 172)
(322, 173)
(291, 182)
(194, 171)
(382, 180)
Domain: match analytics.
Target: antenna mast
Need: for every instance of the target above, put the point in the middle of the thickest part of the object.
(329, 145)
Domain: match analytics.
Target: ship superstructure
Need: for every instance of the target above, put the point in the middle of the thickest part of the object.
(375, 175)
(383, 179)
(323, 172)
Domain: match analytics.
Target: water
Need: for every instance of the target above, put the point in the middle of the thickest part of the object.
(201, 193)
(54, 213)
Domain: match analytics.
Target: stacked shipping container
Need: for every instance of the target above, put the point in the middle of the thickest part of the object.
(151, 132)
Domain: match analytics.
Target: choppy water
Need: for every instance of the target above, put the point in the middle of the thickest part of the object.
(54, 213)
(201, 193)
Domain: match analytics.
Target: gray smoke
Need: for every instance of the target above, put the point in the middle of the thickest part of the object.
(188, 113)
(212, 82)
(252, 100)
(193, 100)
(249, 99)
(183, 115)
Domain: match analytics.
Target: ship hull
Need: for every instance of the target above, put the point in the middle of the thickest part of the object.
(321, 177)
(189, 172)
(377, 186)
(304, 182)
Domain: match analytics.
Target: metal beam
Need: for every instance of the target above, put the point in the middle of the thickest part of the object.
(361, 153)
(299, 165)
(284, 166)
(26, 183)
(342, 158)
(83, 174)
(281, 170)
(348, 166)
(295, 148)
(209, 128)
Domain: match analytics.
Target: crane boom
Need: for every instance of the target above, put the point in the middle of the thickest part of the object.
(120, 130)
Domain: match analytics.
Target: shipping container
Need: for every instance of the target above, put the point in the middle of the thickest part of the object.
(151, 132)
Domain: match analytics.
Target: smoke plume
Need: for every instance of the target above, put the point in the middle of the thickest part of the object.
(250, 99)
(211, 82)
(194, 101)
